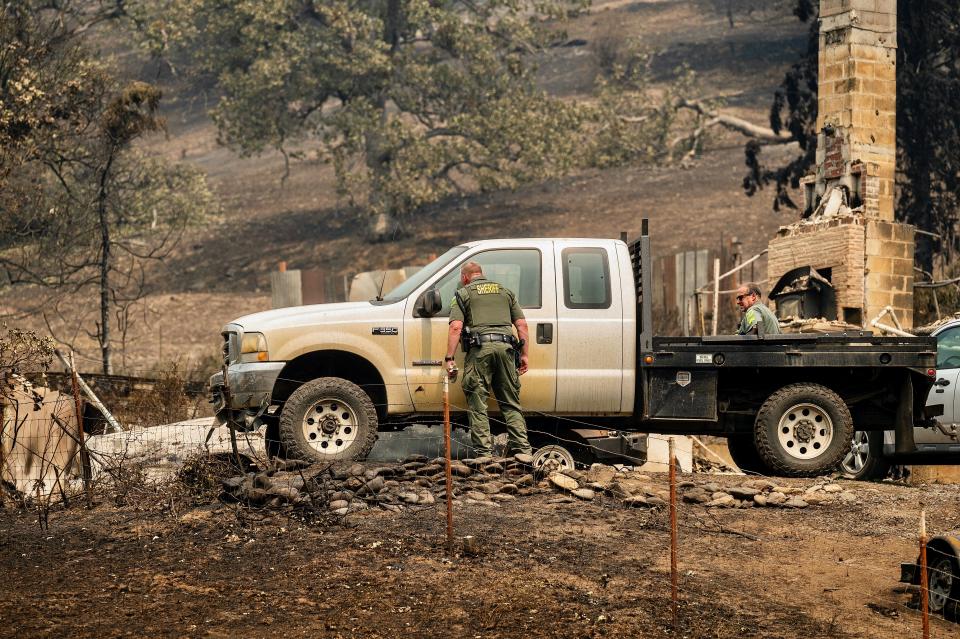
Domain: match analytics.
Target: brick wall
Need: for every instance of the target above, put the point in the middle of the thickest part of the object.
(889, 262)
(838, 244)
(857, 97)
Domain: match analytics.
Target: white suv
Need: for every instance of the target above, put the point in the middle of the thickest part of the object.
(872, 453)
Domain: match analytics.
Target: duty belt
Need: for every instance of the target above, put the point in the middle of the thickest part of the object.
(497, 337)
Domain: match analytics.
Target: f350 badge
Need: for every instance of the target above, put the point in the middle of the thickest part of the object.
(385, 330)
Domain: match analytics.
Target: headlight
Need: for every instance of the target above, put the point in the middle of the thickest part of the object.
(254, 348)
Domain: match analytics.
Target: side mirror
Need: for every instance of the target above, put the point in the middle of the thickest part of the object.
(428, 304)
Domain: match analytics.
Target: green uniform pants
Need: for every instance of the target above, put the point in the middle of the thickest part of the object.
(490, 367)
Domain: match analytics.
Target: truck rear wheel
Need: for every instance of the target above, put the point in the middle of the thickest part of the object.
(803, 430)
(328, 419)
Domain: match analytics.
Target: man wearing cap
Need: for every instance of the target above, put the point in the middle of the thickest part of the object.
(757, 318)
(494, 358)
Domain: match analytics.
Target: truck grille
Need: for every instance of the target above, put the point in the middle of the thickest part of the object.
(230, 348)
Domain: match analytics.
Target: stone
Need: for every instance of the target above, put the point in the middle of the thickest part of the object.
(231, 484)
(410, 498)
(524, 458)
(833, 488)
(288, 493)
(427, 498)
(412, 465)
(353, 483)
(261, 480)
(635, 501)
(509, 489)
(337, 504)
(847, 497)
(564, 482)
(763, 485)
(430, 469)
(356, 470)
(743, 492)
(776, 498)
(726, 501)
(760, 500)
(573, 472)
(596, 485)
(476, 496)
(696, 496)
(415, 458)
(526, 480)
(358, 504)
(712, 487)
(491, 488)
(408, 474)
(372, 487)
(340, 511)
(654, 500)
(584, 493)
(494, 469)
(385, 471)
(561, 500)
(391, 508)
(787, 490)
(795, 502)
(618, 491)
(686, 485)
(341, 495)
(460, 470)
(424, 482)
(369, 474)
(818, 498)
(526, 492)
(501, 497)
(391, 483)
(477, 462)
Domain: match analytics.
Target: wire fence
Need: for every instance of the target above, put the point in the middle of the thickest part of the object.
(54, 453)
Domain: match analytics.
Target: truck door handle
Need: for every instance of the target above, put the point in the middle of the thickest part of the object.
(544, 333)
(942, 382)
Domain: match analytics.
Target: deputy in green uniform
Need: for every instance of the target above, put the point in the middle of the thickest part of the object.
(757, 318)
(490, 311)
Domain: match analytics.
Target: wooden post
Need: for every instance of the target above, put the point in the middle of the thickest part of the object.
(447, 463)
(924, 586)
(81, 442)
(673, 534)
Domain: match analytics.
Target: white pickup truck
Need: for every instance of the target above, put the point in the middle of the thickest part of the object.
(325, 378)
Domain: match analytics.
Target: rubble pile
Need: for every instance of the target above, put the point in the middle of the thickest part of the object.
(419, 481)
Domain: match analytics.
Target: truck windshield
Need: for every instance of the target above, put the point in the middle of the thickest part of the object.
(421, 276)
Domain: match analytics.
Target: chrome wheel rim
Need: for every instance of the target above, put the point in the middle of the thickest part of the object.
(805, 431)
(558, 454)
(330, 426)
(858, 455)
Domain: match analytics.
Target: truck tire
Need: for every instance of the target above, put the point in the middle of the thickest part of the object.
(864, 461)
(803, 430)
(328, 419)
(743, 452)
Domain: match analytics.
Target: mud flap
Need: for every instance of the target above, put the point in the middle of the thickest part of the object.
(904, 420)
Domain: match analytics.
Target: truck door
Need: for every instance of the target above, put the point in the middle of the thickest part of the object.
(945, 392)
(590, 329)
(529, 273)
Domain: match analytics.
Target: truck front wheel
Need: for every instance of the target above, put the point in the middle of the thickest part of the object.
(803, 430)
(327, 419)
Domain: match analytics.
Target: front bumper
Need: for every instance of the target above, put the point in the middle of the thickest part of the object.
(250, 385)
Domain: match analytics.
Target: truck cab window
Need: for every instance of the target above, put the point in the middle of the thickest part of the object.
(948, 348)
(517, 269)
(586, 278)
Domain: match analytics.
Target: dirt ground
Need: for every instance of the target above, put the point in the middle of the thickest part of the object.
(543, 570)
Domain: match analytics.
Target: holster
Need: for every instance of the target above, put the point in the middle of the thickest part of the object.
(517, 353)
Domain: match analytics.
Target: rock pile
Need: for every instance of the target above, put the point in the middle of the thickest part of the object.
(419, 481)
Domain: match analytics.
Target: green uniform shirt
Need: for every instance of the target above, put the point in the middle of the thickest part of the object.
(759, 313)
(490, 307)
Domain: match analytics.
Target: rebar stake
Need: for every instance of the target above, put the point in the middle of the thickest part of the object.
(447, 462)
(673, 533)
(924, 589)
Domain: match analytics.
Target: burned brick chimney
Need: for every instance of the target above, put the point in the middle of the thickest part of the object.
(848, 233)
